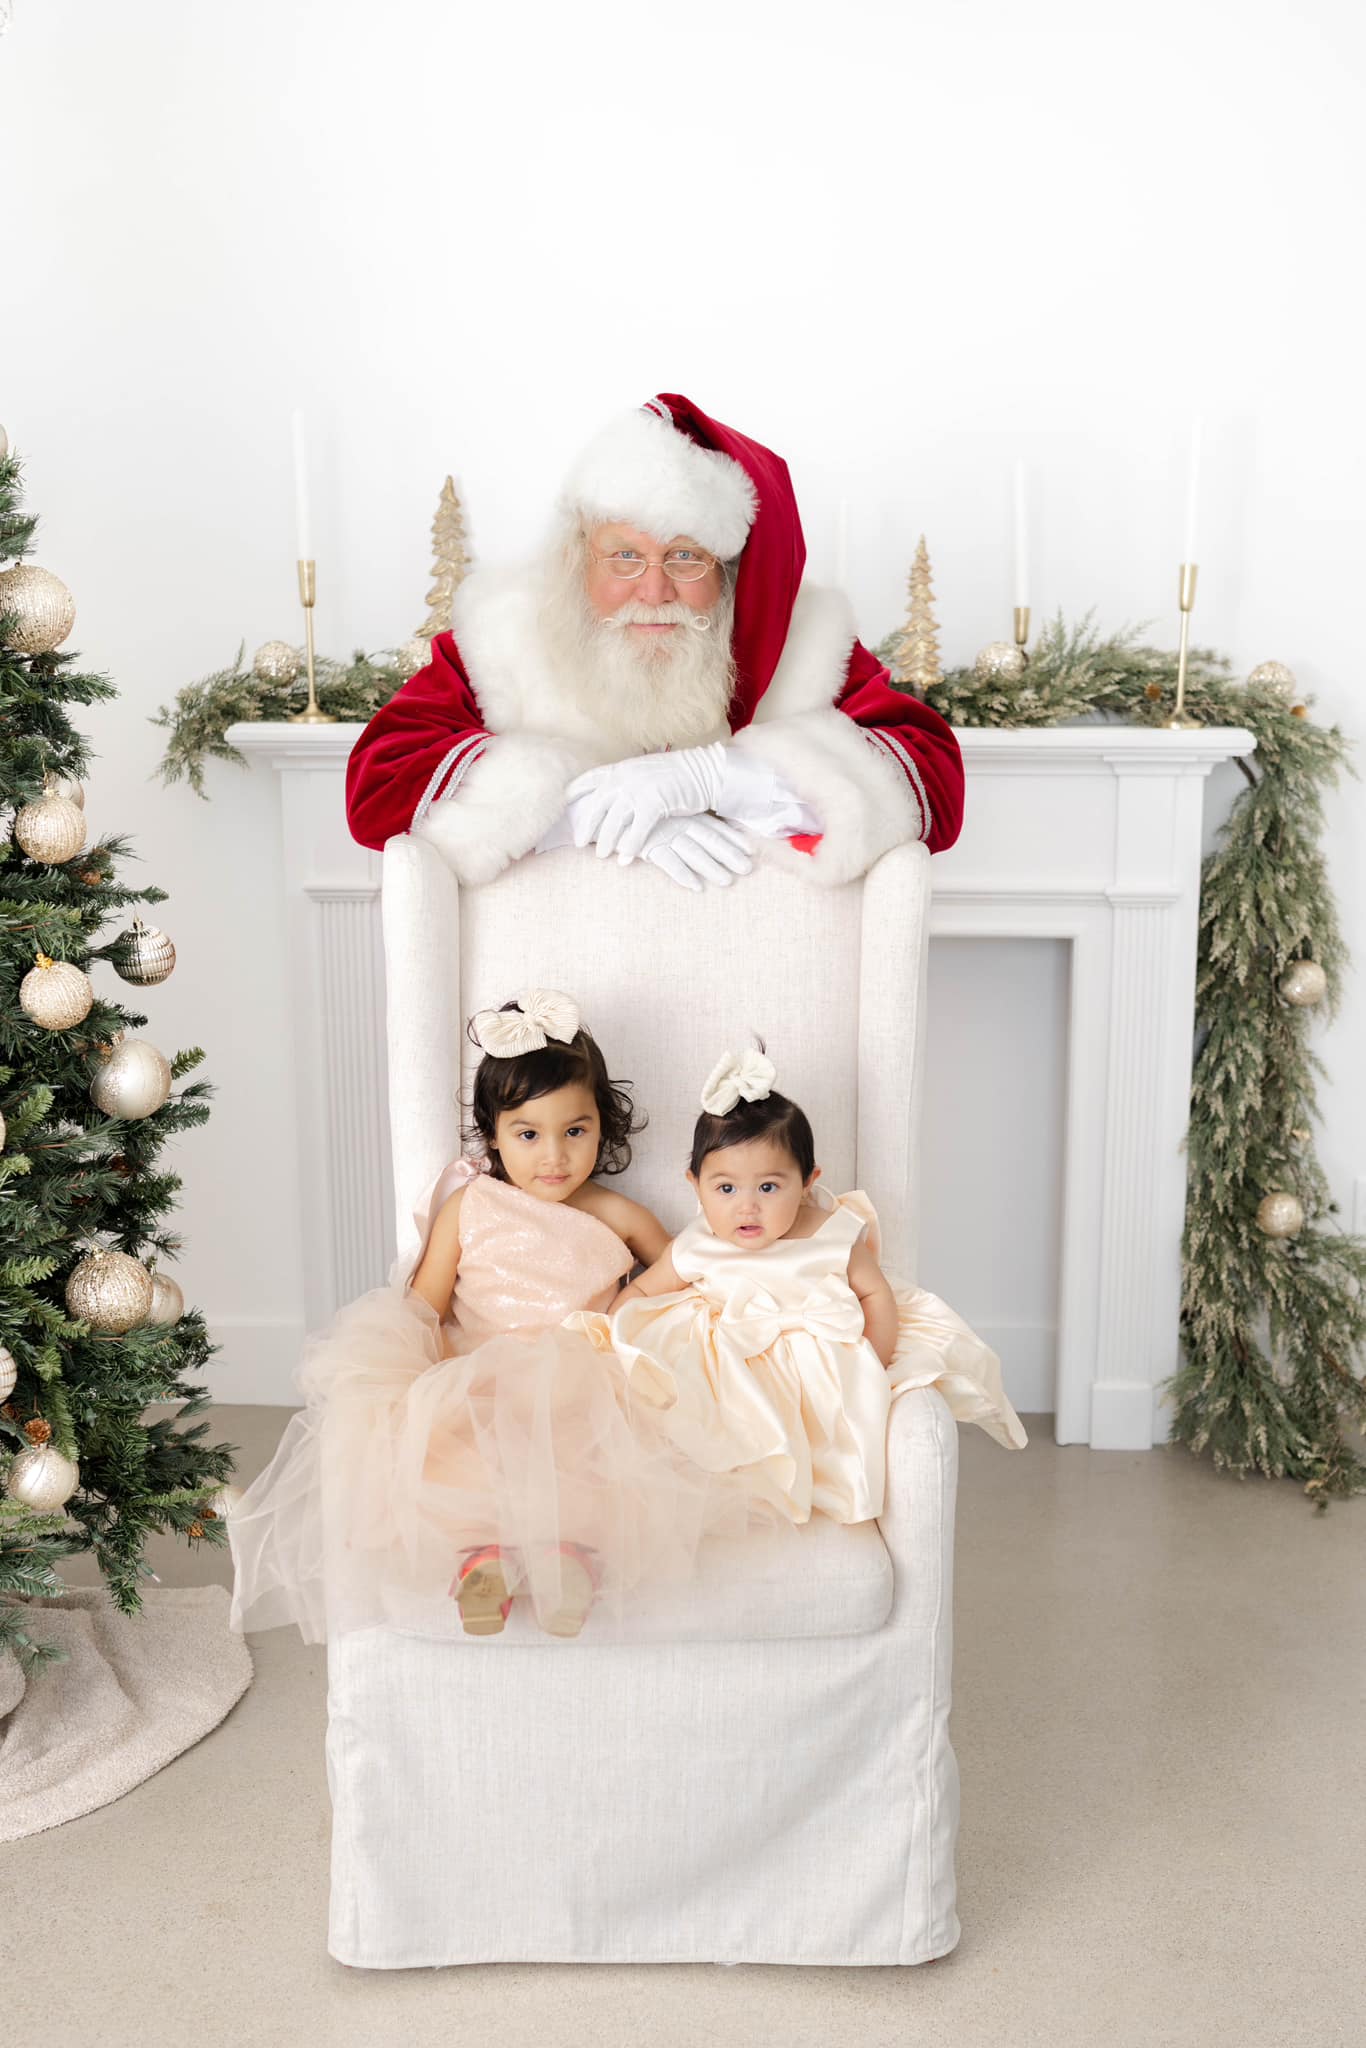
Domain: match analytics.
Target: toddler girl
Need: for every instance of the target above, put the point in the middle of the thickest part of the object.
(767, 1330)
(456, 1442)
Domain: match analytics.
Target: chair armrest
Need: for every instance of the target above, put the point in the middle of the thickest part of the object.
(917, 1517)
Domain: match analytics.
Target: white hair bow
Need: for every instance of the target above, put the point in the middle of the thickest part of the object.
(541, 1014)
(750, 1074)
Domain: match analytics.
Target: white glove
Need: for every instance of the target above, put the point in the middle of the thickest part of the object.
(691, 851)
(754, 795)
(624, 802)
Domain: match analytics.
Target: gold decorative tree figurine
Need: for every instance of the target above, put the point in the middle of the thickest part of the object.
(450, 562)
(915, 662)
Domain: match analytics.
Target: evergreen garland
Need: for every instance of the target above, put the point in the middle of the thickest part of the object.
(1273, 1330)
(202, 712)
(71, 1177)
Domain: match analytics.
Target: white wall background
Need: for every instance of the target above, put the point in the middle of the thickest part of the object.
(901, 244)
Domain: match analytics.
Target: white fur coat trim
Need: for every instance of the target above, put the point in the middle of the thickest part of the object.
(511, 795)
(863, 800)
(815, 656)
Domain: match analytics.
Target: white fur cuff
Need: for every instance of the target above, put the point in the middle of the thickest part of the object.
(512, 794)
(862, 799)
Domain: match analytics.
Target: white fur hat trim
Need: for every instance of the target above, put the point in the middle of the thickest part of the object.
(641, 469)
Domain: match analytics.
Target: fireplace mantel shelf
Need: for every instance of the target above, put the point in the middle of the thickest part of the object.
(1089, 834)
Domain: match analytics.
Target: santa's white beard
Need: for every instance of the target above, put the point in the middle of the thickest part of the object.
(643, 691)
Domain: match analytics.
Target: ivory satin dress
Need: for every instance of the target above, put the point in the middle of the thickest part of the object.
(761, 1367)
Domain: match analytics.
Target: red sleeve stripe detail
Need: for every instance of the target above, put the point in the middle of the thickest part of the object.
(470, 745)
(891, 745)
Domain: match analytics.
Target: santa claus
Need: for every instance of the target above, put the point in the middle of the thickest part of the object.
(662, 685)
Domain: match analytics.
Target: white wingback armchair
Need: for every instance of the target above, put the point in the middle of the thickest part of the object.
(755, 1768)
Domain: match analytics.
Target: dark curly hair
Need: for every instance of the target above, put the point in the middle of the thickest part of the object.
(775, 1117)
(502, 1085)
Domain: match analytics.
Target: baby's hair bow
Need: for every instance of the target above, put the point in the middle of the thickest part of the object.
(750, 1074)
(541, 1014)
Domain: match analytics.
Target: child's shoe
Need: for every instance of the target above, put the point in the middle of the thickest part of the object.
(579, 1581)
(483, 1589)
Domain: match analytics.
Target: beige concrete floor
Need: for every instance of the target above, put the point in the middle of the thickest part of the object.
(1159, 1684)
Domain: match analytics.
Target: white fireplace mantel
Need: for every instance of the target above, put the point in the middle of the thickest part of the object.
(1090, 834)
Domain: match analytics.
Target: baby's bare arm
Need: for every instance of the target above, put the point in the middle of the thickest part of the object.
(657, 1279)
(436, 1273)
(870, 1284)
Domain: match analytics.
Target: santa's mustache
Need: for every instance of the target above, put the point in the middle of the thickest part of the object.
(670, 613)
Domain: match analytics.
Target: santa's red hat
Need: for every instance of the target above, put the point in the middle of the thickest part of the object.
(669, 469)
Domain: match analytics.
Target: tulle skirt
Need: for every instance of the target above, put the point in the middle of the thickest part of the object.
(403, 1460)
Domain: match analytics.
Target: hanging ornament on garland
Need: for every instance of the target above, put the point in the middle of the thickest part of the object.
(1304, 984)
(168, 1303)
(9, 1373)
(110, 1291)
(134, 1080)
(55, 994)
(42, 1479)
(51, 830)
(276, 662)
(1280, 1214)
(1000, 662)
(1276, 677)
(143, 954)
(41, 608)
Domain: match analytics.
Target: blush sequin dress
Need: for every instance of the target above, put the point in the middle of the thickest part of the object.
(422, 1438)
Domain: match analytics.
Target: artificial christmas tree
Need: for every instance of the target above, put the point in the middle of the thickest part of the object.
(84, 1197)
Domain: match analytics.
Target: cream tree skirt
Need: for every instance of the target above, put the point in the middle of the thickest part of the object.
(132, 1694)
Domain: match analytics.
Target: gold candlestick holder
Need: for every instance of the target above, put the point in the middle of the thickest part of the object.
(311, 714)
(1181, 720)
(1022, 630)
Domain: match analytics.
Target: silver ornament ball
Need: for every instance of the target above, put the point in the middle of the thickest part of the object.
(9, 1373)
(144, 954)
(42, 608)
(1276, 677)
(1280, 1214)
(110, 1291)
(55, 995)
(51, 830)
(134, 1081)
(66, 787)
(42, 1479)
(276, 662)
(168, 1303)
(1304, 984)
(1000, 661)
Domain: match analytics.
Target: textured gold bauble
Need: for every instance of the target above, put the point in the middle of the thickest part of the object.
(1280, 1215)
(413, 655)
(51, 830)
(110, 1291)
(44, 609)
(65, 786)
(999, 662)
(276, 662)
(6, 823)
(42, 1479)
(2, 1134)
(1276, 677)
(134, 1081)
(9, 1373)
(168, 1303)
(145, 955)
(1304, 984)
(55, 994)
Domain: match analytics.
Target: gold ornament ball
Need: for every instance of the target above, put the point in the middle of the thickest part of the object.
(1276, 677)
(999, 662)
(276, 662)
(168, 1303)
(2, 1130)
(1304, 984)
(1280, 1215)
(134, 1081)
(44, 609)
(55, 994)
(145, 955)
(413, 655)
(51, 830)
(6, 823)
(110, 1291)
(65, 786)
(42, 1479)
(9, 1373)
